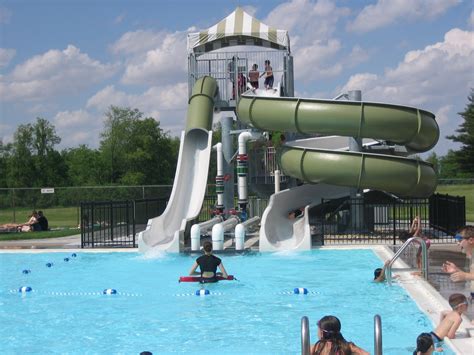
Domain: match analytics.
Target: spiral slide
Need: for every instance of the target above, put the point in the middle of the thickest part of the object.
(336, 170)
(166, 232)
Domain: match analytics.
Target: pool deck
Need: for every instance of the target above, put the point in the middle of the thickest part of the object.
(430, 296)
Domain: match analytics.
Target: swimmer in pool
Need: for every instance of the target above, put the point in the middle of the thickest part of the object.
(208, 264)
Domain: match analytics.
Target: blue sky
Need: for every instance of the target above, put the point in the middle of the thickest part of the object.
(68, 60)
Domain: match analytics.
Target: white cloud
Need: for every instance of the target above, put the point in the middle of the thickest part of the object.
(78, 127)
(437, 78)
(251, 10)
(152, 57)
(356, 56)
(5, 15)
(119, 19)
(166, 104)
(6, 55)
(53, 73)
(311, 25)
(386, 12)
(315, 60)
(436, 73)
(306, 20)
(443, 113)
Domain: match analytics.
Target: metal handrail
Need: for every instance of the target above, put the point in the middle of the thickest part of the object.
(305, 339)
(377, 335)
(424, 258)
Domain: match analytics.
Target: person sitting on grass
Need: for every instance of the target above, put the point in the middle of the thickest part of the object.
(208, 264)
(331, 340)
(31, 225)
(424, 344)
(450, 320)
(43, 221)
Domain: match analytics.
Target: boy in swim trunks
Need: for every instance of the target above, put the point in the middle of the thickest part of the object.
(450, 320)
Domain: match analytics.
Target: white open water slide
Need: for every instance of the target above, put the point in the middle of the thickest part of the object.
(166, 232)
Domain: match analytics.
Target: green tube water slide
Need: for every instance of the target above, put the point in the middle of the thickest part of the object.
(413, 128)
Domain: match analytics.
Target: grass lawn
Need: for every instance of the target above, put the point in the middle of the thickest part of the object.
(61, 217)
(461, 190)
(39, 235)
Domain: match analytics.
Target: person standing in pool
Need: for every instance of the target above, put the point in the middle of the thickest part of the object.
(208, 264)
(331, 340)
(424, 344)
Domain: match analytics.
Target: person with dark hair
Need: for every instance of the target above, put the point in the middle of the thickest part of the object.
(379, 273)
(331, 341)
(254, 74)
(208, 264)
(415, 231)
(424, 344)
(42, 221)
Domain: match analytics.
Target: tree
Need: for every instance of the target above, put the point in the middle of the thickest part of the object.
(465, 156)
(135, 150)
(84, 166)
(433, 159)
(33, 161)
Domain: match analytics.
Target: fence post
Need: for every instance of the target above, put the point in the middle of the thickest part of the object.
(91, 222)
(394, 218)
(111, 223)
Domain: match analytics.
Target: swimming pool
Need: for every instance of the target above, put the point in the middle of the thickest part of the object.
(67, 312)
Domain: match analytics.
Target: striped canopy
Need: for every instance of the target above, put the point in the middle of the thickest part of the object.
(239, 28)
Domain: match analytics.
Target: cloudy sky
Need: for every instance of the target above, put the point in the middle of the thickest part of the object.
(68, 60)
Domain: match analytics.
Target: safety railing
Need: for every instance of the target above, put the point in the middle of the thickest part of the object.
(377, 335)
(305, 338)
(424, 258)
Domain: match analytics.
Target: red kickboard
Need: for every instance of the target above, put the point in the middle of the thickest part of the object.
(198, 278)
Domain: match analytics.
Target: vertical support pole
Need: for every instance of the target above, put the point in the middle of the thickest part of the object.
(227, 150)
(355, 145)
(277, 181)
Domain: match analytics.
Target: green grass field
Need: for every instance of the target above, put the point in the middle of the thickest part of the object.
(65, 217)
(461, 190)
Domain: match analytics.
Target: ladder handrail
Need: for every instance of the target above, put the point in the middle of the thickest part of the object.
(305, 338)
(424, 258)
(377, 335)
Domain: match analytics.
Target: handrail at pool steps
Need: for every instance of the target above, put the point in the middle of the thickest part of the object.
(378, 335)
(305, 339)
(424, 258)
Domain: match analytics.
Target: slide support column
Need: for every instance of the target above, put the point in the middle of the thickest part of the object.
(355, 145)
(228, 152)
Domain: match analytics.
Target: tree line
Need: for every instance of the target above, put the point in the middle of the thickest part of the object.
(133, 150)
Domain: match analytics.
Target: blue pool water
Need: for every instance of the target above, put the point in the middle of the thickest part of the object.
(67, 313)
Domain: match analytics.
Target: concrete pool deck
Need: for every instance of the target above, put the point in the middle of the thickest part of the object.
(431, 297)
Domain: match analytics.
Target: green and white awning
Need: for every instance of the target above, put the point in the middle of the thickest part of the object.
(239, 28)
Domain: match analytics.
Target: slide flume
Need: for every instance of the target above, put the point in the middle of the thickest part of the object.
(166, 232)
(416, 129)
(331, 172)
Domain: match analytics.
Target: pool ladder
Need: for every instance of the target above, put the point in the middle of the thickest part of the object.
(306, 342)
(424, 258)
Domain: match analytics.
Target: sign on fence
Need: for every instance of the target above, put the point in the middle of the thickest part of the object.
(48, 190)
